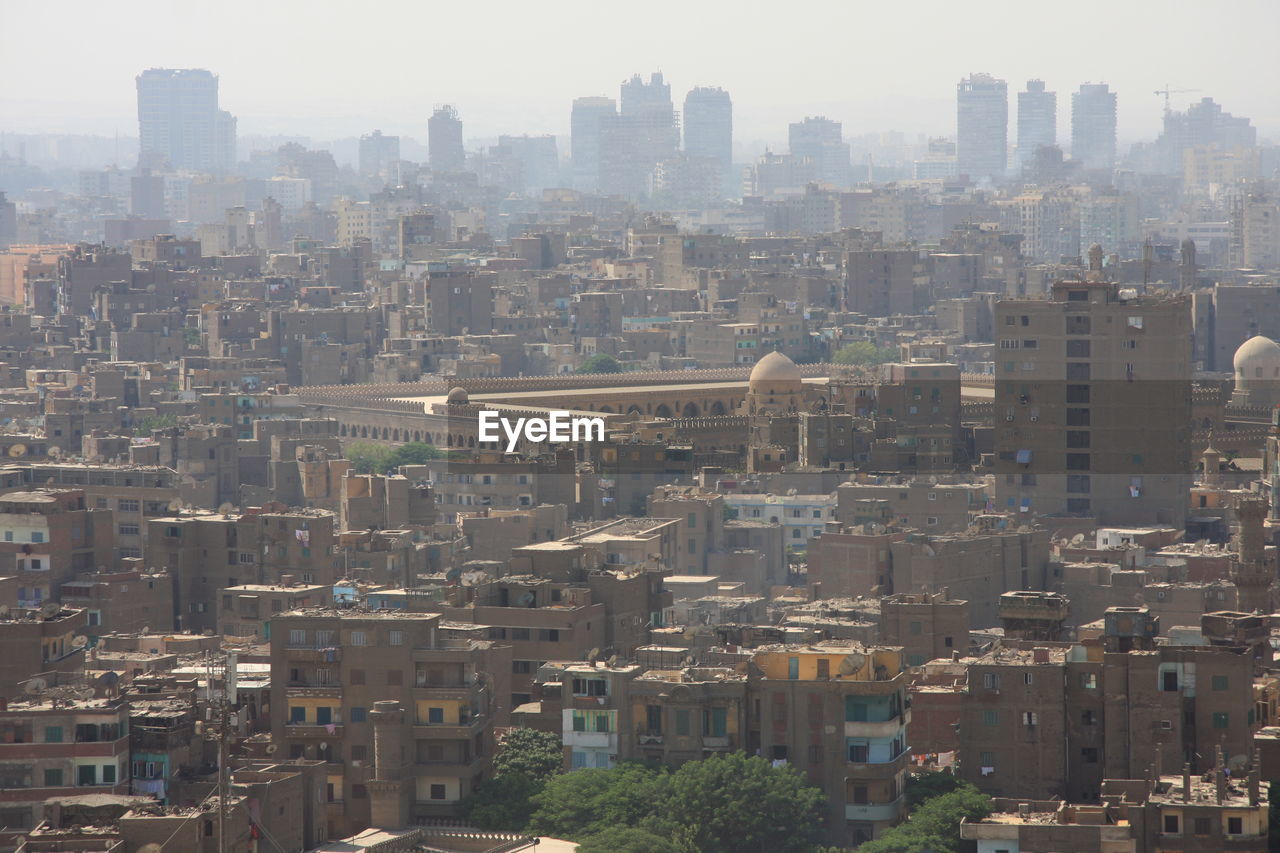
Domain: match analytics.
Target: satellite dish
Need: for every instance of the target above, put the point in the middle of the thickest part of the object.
(4, 611)
(86, 694)
(526, 599)
(35, 685)
(55, 452)
(272, 748)
(324, 746)
(174, 505)
(1237, 763)
(852, 663)
(592, 655)
(150, 848)
(225, 509)
(80, 641)
(16, 450)
(1078, 539)
(50, 609)
(613, 660)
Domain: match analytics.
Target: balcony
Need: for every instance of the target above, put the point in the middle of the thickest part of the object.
(874, 811)
(300, 654)
(592, 739)
(313, 730)
(866, 771)
(648, 738)
(303, 689)
(455, 692)
(449, 731)
(717, 742)
(888, 728)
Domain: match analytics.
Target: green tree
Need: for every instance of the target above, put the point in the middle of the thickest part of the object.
(927, 785)
(502, 803)
(535, 754)
(369, 458)
(600, 363)
(935, 826)
(413, 453)
(144, 427)
(735, 802)
(627, 839)
(864, 353)
(587, 802)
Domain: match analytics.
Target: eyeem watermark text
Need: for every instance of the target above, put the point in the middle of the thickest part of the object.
(559, 426)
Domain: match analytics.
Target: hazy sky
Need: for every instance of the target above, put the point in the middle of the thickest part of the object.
(328, 69)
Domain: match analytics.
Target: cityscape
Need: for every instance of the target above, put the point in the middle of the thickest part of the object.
(720, 454)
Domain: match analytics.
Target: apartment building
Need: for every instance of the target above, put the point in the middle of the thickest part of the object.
(802, 517)
(332, 669)
(1080, 379)
(928, 626)
(207, 552)
(122, 602)
(39, 641)
(839, 714)
(247, 610)
(50, 535)
(51, 748)
(920, 503)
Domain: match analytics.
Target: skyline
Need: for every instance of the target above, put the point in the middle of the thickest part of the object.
(336, 90)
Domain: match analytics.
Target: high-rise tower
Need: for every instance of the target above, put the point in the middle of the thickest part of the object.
(708, 127)
(444, 141)
(1037, 120)
(982, 127)
(1093, 126)
(179, 123)
(584, 140)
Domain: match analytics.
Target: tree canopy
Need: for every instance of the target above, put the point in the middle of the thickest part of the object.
(935, 825)
(536, 754)
(600, 363)
(525, 760)
(864, 353)
(627, 839)
(370, 458)
(587, 802)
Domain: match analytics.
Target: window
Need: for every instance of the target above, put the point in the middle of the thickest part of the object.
(1077, 393)
(86, 774)
(358, 715)
(1221, 720)
(108, 774)
(682, 721)
(522, 667)
(357, 638)
(858, 753)
(1029, 718)
(357, 676)
(1219, 682)
(1235, 826)
(37, 536)
(1078, 417)
(128, 529)
(395, 638)
(987, 759)
(1202, 826)
(297, 714)
(1169, 681)
(53, 777)
(297, 638)
(53, 734)
(1077, 461)
(1172, 824)
(435, 716)
(1088, 718)
(1078, 484)
(1089, 681)
(991, 680)
(991, 718)
(127, 505)
(589, 687)
(437, 791)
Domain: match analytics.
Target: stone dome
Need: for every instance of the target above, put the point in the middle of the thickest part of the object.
(775, 368)
(1257, 359)
(458, 397)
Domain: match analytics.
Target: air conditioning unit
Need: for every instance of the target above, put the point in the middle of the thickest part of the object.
(1034, 419)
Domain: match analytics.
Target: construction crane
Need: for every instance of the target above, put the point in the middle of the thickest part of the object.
(1166, 91)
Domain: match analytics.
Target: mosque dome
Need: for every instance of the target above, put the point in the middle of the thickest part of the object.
(458, 397)
(1257, 359)
(776, 368)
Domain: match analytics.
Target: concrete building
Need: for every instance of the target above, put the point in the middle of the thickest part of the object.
(179, 123)
(37, 642)
(585, 139)
(982, 127)
(1093, 126)
(1037, 120)
(821, 141)
(444, 141)
(928, 626)
(347, 683)
(50, 536)
(838, 713)
(1080, 378)
(708, 131)
(377, 153)
(880, 283)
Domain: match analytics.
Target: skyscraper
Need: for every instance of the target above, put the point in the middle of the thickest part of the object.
(708, 127)
(982, 127)
(377, 152)
(179, 123)
(822, 141)
(1037, 120)
(584, 139)
(644, 133)
(444, 141)
(1093, 126)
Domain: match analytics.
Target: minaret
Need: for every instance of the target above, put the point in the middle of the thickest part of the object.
(1249, 571)
(1095, 263)
(388, 797)
(1187, 267)
(1211, 461)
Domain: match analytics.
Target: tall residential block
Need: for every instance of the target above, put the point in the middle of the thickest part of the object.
(179, 122)
(982, 127)
(1037, 120)
(444, 141)
(584, 138)
(1081, 378)
(1093, 126)
(708, 127)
